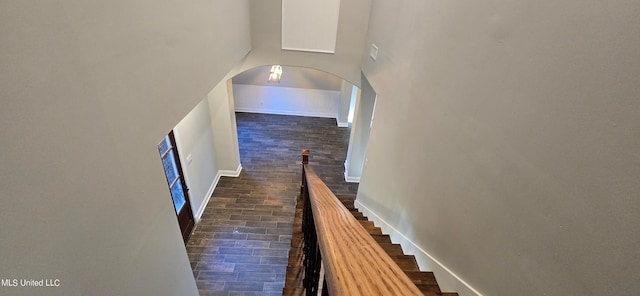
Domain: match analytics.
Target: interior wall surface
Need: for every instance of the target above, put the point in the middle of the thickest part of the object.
(88, 90)
(506, 142)
(195, 141)
(346, 62)
(297, 77)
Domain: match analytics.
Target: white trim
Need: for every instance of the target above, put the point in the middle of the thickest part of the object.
(198, 214)
(284, 112)
(342, 124)
(226, 173)
(447, 279)
(230, 173)
(310, 50)
(348, 178)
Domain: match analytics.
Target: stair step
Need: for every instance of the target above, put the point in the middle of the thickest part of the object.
(381, 238)
(359, 216)
(374, 230)
(422, 277)
(429, 290)
(370, 227)
(392, 249)
(366, 224)
(347, 202)
(406, 262)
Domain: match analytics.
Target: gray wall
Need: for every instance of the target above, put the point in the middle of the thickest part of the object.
(506, 140)
(88, 90)
(266, 33)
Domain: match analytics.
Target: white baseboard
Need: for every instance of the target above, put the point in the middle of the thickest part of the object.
(285, 112)
(342, 124)
(198, 214)
(447, 279)
(226, 173)
(350, 179)
(230, 173)
(347, 178)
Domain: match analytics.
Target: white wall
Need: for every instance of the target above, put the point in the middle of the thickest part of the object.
(212, 143)
(286, 100)
(194, 138)
(224, 128)
(346, 89)
(360, 130)
(512, 128)
(291, 77)
(88, 89)
(301, 91)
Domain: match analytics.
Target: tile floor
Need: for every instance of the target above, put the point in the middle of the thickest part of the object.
(241, 244)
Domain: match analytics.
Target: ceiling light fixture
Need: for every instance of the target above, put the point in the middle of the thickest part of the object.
(275, 74)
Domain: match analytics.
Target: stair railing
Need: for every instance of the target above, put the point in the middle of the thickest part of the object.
(340, 257)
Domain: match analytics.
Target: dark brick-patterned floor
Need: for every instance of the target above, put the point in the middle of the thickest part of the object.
(241, 244)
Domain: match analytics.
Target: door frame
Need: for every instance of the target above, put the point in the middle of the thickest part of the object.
(185, 217)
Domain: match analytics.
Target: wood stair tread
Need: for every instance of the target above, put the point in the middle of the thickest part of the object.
(406, 262)
(358, 214)
(422, 277)
(381, 238)
(346, 200)
(429, 289)
(392, 249)
(370, 227)
(367, 223)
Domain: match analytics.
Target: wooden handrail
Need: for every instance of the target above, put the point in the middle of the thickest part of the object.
(354, 263)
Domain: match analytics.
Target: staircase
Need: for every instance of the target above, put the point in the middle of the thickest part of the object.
(425, 281)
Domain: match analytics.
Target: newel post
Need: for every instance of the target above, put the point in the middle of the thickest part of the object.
(305, 160)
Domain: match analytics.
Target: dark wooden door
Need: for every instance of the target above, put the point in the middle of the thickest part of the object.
(177, 185)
